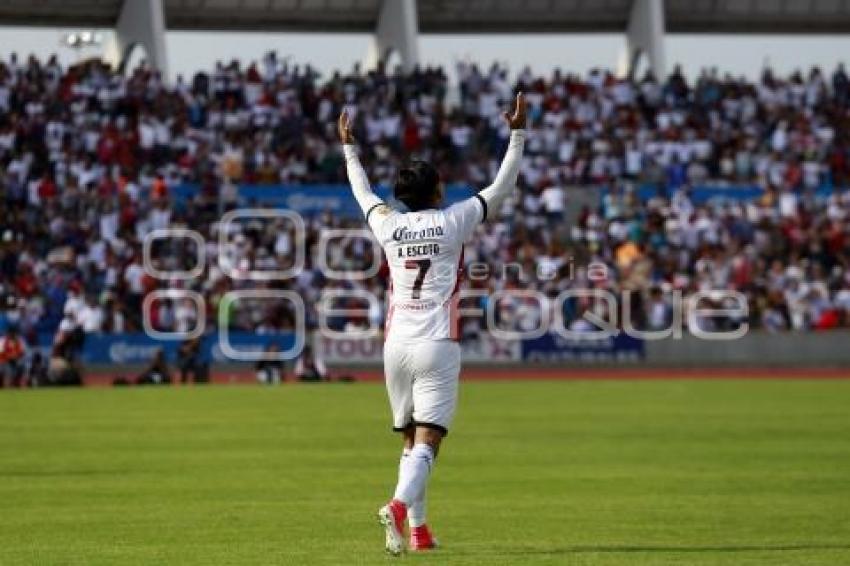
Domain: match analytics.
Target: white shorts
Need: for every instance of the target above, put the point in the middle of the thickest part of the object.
(422, 382)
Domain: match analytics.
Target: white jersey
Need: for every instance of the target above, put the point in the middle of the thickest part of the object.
(424, 252)
(424, 248)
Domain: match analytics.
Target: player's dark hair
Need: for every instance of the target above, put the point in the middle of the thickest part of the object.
(417, 185)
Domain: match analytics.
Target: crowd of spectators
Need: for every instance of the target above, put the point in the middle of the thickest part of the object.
(90, 159)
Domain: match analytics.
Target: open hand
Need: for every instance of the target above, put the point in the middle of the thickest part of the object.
(344, 127)
(517, 120)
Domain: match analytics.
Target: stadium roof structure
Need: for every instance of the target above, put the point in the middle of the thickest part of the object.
(397, 23)
(449, 16)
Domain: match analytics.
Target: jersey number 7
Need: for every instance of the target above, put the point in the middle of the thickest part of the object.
(423, 265)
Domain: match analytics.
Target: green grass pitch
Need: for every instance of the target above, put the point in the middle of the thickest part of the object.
(543, 472)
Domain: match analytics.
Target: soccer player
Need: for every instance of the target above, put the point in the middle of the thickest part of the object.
(423, 247)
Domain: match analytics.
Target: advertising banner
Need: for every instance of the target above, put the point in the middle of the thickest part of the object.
(138, 348)
(485, 349)
(555, 348)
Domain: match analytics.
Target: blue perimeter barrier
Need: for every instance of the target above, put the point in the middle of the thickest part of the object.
(720, 194)
(315, 199)
(309, 199)
(138, 348)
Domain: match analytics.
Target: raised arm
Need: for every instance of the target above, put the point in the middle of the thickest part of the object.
(505, 180)
(366, 198)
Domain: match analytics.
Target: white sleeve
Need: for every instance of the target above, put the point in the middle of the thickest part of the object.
(465, 215)
(505, 180)
(369, 202)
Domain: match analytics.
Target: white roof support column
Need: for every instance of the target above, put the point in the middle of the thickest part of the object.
(397, 30)
(142, 23)
(645, 36)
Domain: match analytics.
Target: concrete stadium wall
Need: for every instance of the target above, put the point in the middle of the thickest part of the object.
(757, 348)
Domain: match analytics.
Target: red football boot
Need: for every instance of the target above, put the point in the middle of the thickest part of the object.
(422, 539)
(393, 516)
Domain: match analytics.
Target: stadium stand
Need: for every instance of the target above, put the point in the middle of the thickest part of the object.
(92, 162)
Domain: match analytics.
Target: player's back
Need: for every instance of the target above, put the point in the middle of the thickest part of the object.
(424, 253)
